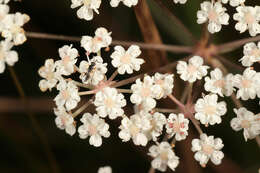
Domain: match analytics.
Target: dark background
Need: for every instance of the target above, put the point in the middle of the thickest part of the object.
(21, 148)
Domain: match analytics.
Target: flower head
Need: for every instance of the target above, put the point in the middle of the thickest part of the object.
(7, 56)
(135, 128)
(247, 84)
(127, 61)
(105, 169)
(128, 3)
(144, 93)
(247, 121)
(248, 18)
(163, 156)
(12, 27)
(86, 8)
(177, 125)
(209, 110)
(192, 71)
(64, 120)
(165, 82)
(233, 3)
(68, 95)
(215, 14)
(218, 84)
(93, 75)
(94, 127)
(109, 103)
(102, 39)
(68, 56)
(49, 74)
(251, 54)
(207, 148)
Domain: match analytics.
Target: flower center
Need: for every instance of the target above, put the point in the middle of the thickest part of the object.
(245, 124)
(134, 130)
(86, 2)
(164, 155)
(65, 94)
(207, 149)
(219, 83)
(249, 18)
(16, 29)
(66, 60)
(246, 83)
(213, 15)
(92, 129)
(255, 53)
(210, 110)
(192, 69)
(126, 59)
(63, 119)
(97, 40)
(109, 103)
(146, 92)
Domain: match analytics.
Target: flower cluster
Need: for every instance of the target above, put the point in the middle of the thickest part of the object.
(247, 17)
(12, 32)
(88, 7)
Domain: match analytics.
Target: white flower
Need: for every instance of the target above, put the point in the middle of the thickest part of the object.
(234, 3)
(68, 55)
(50, 76)
(218, 84)
(127, 61)
(64, 120)
(180, 1)
(4, 10)
(207, 148)
(215, 14)
(109, 103)
(163, 156)
(165, 82)
(248, 18)
(247, 84)
(157, 121)
(192, 71)
(94, 127)
(68, 95)
(209, 111)
(105, 169)
(247, 121)
(128, 3)
(144, 93)
(93, 75)
(87, 8)
(177, 125)
(102, 39)
(7, 56)
(4, 1)
(135, 128)
(13, 27)
(251, 54)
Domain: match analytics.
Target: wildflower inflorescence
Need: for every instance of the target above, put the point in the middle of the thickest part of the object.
(12, 34)
(75, 77)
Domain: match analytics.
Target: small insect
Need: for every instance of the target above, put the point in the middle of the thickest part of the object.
(91, 69)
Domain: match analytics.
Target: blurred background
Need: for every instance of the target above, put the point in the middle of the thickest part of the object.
(21, 147)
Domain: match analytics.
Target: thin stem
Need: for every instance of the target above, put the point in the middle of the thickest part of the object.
(229, 63)
(151, 170)
(51, 159)
(112, 77)
(125, 91)
(228, 47)
(196, 124)
(169, 48)
(82, 108)
(257, 138)
(163, 110)
(86, 92)
(176, 101)
(189, 100)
